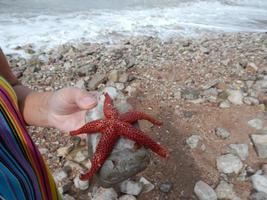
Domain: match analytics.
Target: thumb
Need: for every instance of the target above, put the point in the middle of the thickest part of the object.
(86, 100)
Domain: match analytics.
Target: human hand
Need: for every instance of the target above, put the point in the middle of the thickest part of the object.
(67, 108)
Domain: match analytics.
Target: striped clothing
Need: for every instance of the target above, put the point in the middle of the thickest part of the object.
(23, 172)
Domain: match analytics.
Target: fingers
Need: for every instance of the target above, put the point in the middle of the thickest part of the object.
(85, 100)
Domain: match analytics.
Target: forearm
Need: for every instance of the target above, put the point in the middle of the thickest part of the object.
(33, 105)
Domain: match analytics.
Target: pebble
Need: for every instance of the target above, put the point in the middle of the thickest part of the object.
(204, 191)
(225, 191)
(193, 141)
(260, 143)
(131, 187)
(190, 94)
(66, 187)
(251, 101)
(68, 197)
(80, 84)
(113, 76)
(222, 133)
(105, 194)
(241, 150)
(59, 175)
(264, 169)
(147, 185)
(229, 163)
(43, 151)
(64, 151)
(258, 196)
(259, 183)
(79, 184)
(235, 97)
(96, 80)
(73, 165)
(123, 78)
(165, 187)
(255, 123)
(127, 197)
(79, 157)
(225, 104)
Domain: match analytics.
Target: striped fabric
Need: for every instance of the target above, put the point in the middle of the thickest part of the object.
(23, 172)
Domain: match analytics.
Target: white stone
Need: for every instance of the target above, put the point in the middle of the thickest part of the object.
(131, 187)
(148, 186)
(105, 194)
(79, 184)
(225, 191)
(222, 133)
(225, 104)
(193, 141)
(63, 151)
(127, 197)
(43, 151)
(73, 165)
(259, 183)
(80, 84)
(260, 142)
(204, 191)
(241, 150)
(68, 197)
(59, 175)
(235, 97)
(255, 123)
(79, 157)
(229, 164)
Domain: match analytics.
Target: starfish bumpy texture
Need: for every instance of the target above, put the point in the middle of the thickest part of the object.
(112, 127)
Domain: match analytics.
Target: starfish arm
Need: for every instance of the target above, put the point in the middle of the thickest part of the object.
(138, 136)
(90, 127)
(103, 149)
(109, 110)
(133, 116)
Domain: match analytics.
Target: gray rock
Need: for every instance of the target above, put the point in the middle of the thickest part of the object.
(80, 156)
(66, 187)
(105, 194)
(80, 84)
(96, 80)
(43, 151)
(258, 196)
(63, 151)
(264, 169)
(125, 160)
(222, 133)
(259, 183)
(225, 104)
(68, 197)
(147, 186)
(165, 187)
(190, 94)
(86, 69)
(229, 164)
(131, 187)
(235, 96)
(130, 62)
(193, 141)
(113, 76)
(59, 175)
(260, 143)
(123, 78)
(255, 123)
(79, 184)
(204, 191)
(251, 101)
(127, 197)
(226, 191)
(241, 150)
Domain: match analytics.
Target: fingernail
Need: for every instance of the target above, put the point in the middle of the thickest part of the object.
(87, 101)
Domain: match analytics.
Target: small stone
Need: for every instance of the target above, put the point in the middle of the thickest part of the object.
(258, 196)
(251, 68)
(119, 86)
(255, 123)
(80, 84)
(96, 81)
(123, 78)
(59, 175)
(260, 142)
(193, 141)
(68, 197)
(130, 62)
(204, 191)
(225, 104)
(131, 187)
(73, 165)
(229, 164)
(241, 150)
(79, 184)
(225, 191)
(235, 97)
(105, 194)
(67, 169)
(127, 197)
(264, 169)
(80, 156)
(113, 76)
(251, 101)
(130, 90)
(63, 151)
(190, 94)
(165, 187)
(222, 133)
(259, 183)
(147, 186)
(86, 69)
(43, 151)
(66, 187)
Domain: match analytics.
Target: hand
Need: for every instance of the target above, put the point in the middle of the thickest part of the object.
(67, 108)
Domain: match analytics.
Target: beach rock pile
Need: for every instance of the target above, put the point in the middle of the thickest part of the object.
(210, 93)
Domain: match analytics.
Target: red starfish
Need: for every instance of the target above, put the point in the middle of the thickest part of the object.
(112, 127)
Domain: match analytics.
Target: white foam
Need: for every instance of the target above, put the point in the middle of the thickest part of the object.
(188, 19)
